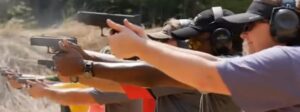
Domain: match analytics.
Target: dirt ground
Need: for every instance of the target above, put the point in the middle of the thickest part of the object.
(16, 53)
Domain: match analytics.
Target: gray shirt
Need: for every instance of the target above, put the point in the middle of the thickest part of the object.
(117, 102)
(170, 99)
(267, 81)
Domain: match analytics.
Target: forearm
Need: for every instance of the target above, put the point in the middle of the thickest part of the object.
(102, 84)
(100, 57)
(193, 52)
(69, 97)
(192, 70)
(138, 73)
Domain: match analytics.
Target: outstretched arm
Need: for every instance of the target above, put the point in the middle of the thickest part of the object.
(101, 57)
(70, 63)
(195, 71)
(95, 56)
(70, 97)
(75, 96)
(137, 73)
(101, 84)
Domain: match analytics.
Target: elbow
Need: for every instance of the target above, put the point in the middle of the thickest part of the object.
(211, 81)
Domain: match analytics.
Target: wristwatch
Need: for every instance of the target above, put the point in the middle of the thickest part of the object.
(88, 69)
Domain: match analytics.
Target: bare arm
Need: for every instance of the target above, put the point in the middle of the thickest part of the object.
(192, 52)
(199, 72)
(195, 71)
(100, 57)
(102, 84)
(137, 73)
(74, 95)
(64, 96)
(134, 72)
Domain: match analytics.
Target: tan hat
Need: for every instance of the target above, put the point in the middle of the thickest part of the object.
(171, 25)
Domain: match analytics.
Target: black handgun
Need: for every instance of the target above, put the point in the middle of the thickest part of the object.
(99, 19)
(53, 47)
(47, 63)
(50, 42)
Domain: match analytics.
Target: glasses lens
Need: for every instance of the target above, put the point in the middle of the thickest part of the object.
(248, 27)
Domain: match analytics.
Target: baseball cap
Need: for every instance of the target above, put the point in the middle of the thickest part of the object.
(258, 10)
(202, 23)
(165, 33)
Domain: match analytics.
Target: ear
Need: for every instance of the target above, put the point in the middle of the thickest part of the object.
(297, 5)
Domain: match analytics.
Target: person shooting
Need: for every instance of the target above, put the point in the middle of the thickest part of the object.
(140, 73)
(271, 34)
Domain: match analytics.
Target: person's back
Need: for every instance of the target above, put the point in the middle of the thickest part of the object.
(170, 99)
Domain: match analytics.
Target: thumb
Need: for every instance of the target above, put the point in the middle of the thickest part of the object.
(115, 26)
(73, 45)
(64, 45)
(138, 30)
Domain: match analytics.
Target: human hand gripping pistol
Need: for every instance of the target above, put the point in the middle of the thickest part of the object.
(20, 81)
(53, 47)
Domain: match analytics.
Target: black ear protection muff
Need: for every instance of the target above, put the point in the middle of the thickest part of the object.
(285, 22)
(220, 37)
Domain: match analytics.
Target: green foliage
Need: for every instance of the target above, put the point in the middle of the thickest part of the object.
(154, 12)
(20, 12)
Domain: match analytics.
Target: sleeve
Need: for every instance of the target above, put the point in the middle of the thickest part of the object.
(108, 97)
(136, 92)
(262, 81)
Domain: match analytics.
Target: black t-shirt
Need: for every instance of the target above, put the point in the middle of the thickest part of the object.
(169, 99)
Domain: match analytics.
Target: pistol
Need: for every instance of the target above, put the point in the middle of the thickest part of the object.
(99, 19)
(50, 42)
(53, 47)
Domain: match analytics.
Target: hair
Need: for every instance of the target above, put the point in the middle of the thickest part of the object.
(298, 4)
(173, 22)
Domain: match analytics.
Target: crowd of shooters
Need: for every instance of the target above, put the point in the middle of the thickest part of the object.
(189, 66)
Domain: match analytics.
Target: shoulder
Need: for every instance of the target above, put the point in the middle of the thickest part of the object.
(270, 55)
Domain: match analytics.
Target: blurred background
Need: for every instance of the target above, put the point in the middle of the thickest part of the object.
(22, 19)
(44, 13)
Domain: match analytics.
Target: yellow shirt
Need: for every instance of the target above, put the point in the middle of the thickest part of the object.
(73, 108)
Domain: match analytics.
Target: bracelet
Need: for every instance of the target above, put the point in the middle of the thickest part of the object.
(88, 69)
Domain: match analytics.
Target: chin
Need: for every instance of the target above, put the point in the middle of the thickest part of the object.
(248, 51)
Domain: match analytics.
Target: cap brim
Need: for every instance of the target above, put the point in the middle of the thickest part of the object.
(159, 35)
(242, 18)
(185, 33)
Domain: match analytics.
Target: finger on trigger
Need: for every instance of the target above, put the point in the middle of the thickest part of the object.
(114, 26)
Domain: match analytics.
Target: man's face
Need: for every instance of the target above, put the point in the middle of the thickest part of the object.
(201, 43)
(257, 37)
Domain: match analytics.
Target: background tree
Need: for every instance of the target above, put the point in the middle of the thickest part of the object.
(153, 12)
